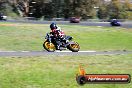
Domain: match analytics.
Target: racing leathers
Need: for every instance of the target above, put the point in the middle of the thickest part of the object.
(58, 35)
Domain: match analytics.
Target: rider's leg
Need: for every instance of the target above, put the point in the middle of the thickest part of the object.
(58, 43)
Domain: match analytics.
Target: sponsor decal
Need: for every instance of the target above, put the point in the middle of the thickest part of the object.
(83, 78)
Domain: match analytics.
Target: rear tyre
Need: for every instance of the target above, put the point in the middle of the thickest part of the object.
(50, 47)
(74, 47)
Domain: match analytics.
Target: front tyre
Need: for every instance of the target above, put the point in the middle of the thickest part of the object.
(50, 47)
(74, 47)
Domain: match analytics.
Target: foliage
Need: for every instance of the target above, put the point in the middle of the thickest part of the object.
(85, 8)
(115, 9)
(2, 5)
(69, 8)
(102, 12)
(54, 8)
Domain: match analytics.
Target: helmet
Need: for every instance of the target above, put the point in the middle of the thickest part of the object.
(53, 26)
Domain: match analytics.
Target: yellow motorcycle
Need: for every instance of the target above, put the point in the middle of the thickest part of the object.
(66, 43)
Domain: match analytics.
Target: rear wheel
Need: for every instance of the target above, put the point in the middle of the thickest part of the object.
(50, 47)
(74, 47)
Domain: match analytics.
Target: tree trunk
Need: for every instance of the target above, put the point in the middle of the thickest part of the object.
(26, 7)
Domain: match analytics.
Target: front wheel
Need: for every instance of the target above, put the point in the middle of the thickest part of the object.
(50, 47)
(74, 47)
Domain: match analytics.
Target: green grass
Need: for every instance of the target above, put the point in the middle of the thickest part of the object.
(60, 71)
(18, 36)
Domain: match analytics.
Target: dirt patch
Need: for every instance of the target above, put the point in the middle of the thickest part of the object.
(25, 25)
(7, 24)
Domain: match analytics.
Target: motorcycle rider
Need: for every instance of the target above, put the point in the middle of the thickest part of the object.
(1, 16)
(115, 22)
(57, 33)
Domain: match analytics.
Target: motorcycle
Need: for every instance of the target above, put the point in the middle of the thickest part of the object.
(2, 17)
(115, 22)
(50, 44)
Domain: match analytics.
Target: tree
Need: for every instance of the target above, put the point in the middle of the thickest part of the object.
(48, 10)
(55, 8)
(2, 5)
(21, 6)
(67, 9)
(87, 8)
(128, 7)
(83, 8)
(35, 8)
(117, 10)
(103, 12)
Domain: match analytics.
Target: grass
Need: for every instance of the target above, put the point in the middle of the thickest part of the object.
(60, 71)
(20, 36)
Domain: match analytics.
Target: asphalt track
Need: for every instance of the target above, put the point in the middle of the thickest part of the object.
(60, 53)
(83, 23)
